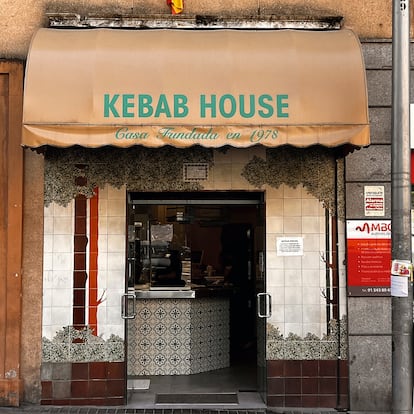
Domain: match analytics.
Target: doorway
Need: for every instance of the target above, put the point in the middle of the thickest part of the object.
(219, 238)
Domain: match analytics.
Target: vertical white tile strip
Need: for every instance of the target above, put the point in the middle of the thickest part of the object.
(296, 282)
(111, 260)
(57, 268)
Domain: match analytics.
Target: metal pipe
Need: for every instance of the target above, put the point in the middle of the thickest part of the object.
(336, 287)
(402, 307)
(327, 269)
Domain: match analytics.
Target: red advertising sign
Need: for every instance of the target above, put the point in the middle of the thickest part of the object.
(369, 257)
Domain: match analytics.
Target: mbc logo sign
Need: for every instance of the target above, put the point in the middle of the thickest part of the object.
(373, 227)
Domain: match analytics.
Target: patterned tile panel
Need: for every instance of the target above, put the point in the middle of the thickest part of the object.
(179, 336)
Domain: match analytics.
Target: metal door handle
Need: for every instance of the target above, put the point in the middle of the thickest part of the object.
(124, 306)
(267, 305)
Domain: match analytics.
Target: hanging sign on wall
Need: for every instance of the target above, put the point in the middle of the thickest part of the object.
(369, 257)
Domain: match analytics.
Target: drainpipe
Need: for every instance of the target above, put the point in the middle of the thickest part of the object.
(334, 264)
(336, 286)
(402, 305)
(327, 268)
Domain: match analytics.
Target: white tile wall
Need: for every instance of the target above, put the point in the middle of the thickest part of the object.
(297, 283)
(58, 264)
(311, 277)
(292, 262)
(311, 207)
(292, 225)
(273, 262)
(111, 260)
(57, 268)
(292, 207)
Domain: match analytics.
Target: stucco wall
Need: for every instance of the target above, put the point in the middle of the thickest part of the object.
(20, 19)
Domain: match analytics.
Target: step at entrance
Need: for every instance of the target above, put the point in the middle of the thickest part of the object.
(213, 398)
(138, 384)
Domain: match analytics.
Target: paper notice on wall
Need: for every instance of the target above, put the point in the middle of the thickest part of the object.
(399, 286)
(289, 246)
(374, 201)
(400, 276)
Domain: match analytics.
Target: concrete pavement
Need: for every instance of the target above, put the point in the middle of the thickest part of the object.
(36, 409)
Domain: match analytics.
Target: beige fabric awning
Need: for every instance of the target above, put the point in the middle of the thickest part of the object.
(183, 87)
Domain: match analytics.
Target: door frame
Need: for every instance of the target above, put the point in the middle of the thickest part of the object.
(11, 233)
(212, 197)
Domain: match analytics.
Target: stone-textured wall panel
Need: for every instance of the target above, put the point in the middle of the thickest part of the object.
(376, 318)
(355, 200)
(379, 87)
(380, 122)
(370, 164)
(370, 373)
(377, 55)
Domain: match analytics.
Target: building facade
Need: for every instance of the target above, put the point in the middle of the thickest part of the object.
(75, 211)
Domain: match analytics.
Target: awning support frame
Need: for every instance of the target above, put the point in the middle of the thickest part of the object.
(267, 22)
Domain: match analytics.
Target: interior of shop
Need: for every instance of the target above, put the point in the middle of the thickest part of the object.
(210, 244)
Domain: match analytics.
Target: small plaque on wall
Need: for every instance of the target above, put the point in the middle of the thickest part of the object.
(374, 201)
(195, 171)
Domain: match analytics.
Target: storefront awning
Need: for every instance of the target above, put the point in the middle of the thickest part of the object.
(117, 87)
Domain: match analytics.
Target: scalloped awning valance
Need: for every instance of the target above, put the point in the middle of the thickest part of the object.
(99, 87)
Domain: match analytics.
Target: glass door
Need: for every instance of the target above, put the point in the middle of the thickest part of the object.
(220, 238)
(263, 303)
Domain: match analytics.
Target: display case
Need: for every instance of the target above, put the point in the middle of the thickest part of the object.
(154, 260)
